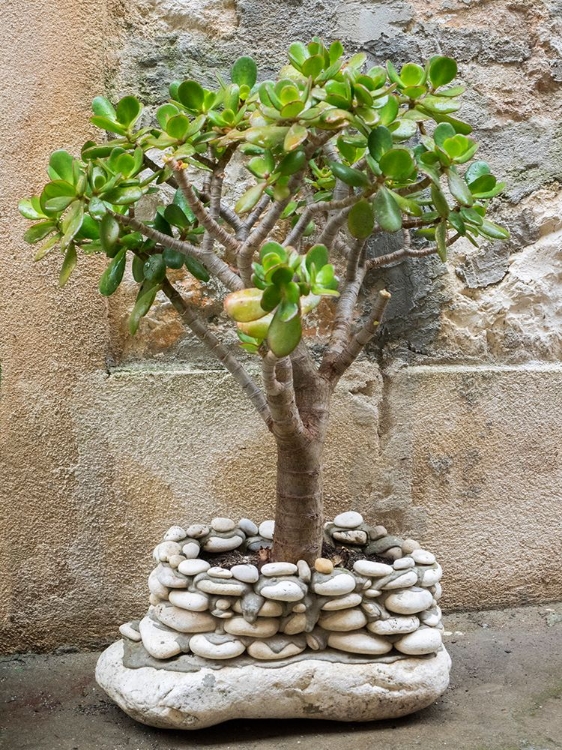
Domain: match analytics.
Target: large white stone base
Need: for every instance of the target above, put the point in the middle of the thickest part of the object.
(308, 689)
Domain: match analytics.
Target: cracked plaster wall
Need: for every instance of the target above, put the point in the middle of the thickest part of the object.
(459, 448)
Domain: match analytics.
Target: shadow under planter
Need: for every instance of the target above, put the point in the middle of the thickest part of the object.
(356, 638)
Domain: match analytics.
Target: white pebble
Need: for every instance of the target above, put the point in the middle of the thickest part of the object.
(372, 593)
(278, 569)
(191, 550)
(262, 650)
(218, 572)
(423, 641)
(349, 520)
(198, 530)
(189, 600)
(432, 576)
(161, 644)
(219, 544)
(185, 621)
(165, 550)
(175, 534)
(201, 646)
(128, 631)
(263, 627)
(193, 567)
(267, 529)
(248, 527)
(394, 625)
(403, 564)
(246, 573)
(353, 536)
(228, 587)
(284, 591)
(409, 578)
(342, 602)
(343, 621)
(344, 583)
(223, 524)
(423, 557)
(175, 560)
(360, 642)
(305, 573)
(409, 602)
(155, 586)
(371, 569)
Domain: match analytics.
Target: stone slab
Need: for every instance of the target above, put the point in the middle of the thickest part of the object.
(304, 690)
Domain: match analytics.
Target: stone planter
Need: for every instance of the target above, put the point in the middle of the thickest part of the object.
(226, 638)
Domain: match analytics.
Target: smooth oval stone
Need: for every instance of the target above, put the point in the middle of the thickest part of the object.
(128, 631)
(219, 572)
(168, 577)
(191, 550)
(266, 651)
(268, 608)
(372, 609)
(183, 620)
(424, 641)
(409, 545)
(431, 617)
(353, 536)
(349, 520)
(360, 642)
(409, 602)
(403, 564)
(322, 565)
(394, 625)
(377, 532)
(201, 646)
(304, 571)
(278, 569)
(409, 578)
(189, 600)
(246, 573)
(295, 624)
(175, 534)
(342, 602)
(164, 550)
(153, 599)
(160, 643)
(343, 621)
(336, 586)
(220, 544)
(248, 527)
(222, 588)
(193, 567)
(155, 586)
(222, 604)
(263, 627)
(423, 557)
(283, 591)
(437, 591)
(198, 530)
(299, 607)
(317, 640)
(175, 560)
(267, 529)
(372, 593)
(223, 524)
(372, 569)
(431, 576)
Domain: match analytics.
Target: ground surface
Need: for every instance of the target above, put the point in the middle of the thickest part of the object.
(505, 694)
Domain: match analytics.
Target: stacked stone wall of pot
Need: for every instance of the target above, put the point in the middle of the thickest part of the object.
(278, 610)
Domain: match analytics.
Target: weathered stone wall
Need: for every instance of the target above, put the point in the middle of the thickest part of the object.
(105, 441)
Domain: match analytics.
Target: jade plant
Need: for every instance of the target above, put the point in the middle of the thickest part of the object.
(333, 153)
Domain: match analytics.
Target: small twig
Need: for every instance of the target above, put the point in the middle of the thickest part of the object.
(217, 348)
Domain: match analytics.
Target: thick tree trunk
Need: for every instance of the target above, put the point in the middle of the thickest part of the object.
(299, 514)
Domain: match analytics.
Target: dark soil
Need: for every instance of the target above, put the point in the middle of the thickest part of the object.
(342, 557)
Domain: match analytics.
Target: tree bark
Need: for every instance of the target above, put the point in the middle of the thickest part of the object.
(299, 516)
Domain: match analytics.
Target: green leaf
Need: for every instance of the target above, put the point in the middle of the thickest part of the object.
(439, 201)
(292, 163)
(441, 239)
(173, 258)
(164, 113)
(271, 297)
(483, 184)
(313, 66)
(196, 269)
(361, 220)
(109, 233)
(113, 274)
(380, 141)
(388, 112)
(128, 110)
(492, 230)
(249, 199)
(59, 204)
(103, 107)
(191, 95)
(138, 269)
(46, 247)
(244, 72)
(459, 125)
(267, 136)
(397, 164)
(442, 70)
(61, 162)
(297, 134)
(318, 256)
(30, 210)
(177, 127)
(71, 222)
(68, 264)
(90, 228)
(477, 169)
(97, 208)
(155, 268)
(459, 189)
(412, 74)
(283, 337)
(176, 217)
(146, 296)
(123, 196)
(442, 132)
(407, 205)
(297, 54)
(106, 124)
(336, 51)
(387, 211)
(38, 232)
(349, 175)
